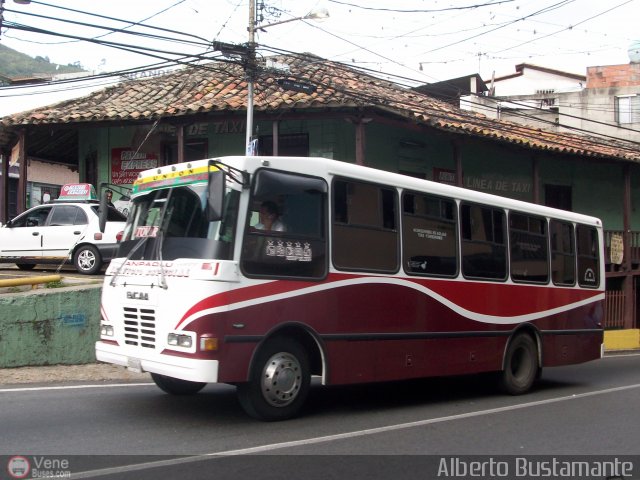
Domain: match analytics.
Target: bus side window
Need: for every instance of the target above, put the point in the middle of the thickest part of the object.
(429, 235)
(588, 256)
(365, 234)
(529, 251)
(484, 250)
(563, 253)
(292, 241)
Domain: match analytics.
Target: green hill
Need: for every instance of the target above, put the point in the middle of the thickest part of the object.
(16, 64)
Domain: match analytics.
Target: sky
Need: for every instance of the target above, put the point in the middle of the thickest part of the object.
(416, 41)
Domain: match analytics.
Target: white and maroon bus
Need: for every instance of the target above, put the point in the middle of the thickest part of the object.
(265, 271)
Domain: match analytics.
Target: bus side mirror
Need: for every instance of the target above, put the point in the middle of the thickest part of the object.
(215, 195)
(103, 211)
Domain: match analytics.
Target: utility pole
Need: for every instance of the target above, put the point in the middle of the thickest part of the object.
(250, 69)
(249, 56)
(1, 15)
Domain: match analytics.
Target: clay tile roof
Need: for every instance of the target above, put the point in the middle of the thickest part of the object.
(221, 86)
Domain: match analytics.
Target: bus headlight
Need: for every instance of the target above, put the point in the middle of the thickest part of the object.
(177, 340)
(106, 330)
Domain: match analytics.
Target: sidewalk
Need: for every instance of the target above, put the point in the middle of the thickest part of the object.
(93, 372)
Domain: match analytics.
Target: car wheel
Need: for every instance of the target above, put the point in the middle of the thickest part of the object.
(26, 266)
(87, 260)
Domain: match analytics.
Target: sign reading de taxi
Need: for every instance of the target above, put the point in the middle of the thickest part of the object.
(127, 163)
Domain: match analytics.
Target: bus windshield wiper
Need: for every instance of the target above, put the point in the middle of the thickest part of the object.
(159, 244)
(127, 258)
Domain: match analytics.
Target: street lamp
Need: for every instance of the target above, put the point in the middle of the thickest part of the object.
(319, 14)
(251, 63)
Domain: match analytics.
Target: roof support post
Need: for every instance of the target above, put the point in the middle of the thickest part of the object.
(457, 158)
(180, 134)
(275, 132)
(629, 290)
(4, 187)
(22, 181)
(536, 179)
(360, 141)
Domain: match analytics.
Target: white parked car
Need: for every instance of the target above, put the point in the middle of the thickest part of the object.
(63, 231)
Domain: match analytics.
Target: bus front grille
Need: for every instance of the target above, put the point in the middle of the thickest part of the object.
(140, 327)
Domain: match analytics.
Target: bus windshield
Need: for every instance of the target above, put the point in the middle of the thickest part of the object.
(172, 223)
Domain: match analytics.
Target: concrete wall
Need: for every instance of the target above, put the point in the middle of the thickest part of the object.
(49, 326)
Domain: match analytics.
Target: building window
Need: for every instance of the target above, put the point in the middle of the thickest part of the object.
(293, 145)
(193, 150)
(627, 109)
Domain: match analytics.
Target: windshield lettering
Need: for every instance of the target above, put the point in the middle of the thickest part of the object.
(146, 231)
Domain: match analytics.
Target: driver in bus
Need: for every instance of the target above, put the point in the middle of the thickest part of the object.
(269, 218)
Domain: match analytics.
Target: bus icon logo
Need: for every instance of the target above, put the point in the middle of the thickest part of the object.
(18, 467)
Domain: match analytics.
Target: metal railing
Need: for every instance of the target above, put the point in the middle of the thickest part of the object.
(33, 281)
(614, 309)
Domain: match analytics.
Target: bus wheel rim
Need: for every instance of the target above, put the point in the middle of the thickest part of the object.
(281, 379)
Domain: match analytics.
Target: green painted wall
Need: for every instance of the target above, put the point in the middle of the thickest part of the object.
(597, 188)
(399, 150)
(49, 327)
(492, 168)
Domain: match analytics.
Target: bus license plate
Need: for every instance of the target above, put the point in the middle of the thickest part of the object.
(134, 365)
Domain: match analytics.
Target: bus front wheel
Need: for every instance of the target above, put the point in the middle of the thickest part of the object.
(278, 382)
(176, 386)
(520, 365)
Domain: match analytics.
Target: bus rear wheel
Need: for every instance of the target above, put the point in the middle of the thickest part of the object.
(278, 382)
(176, 386)
(520, 365)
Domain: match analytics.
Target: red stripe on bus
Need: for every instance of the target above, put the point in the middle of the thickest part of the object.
(492, 299)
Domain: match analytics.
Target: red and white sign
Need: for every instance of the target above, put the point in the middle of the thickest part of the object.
(126, 164)
(77, 191)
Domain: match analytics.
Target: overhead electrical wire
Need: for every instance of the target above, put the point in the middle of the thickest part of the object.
(188, 59)
(105, 17)
(432, 10)
(203, 41)
(566, 28)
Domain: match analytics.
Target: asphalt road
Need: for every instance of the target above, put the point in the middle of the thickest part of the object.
(392, 430)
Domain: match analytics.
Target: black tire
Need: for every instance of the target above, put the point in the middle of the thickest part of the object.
(520, 365)
(283, 361)
(87, 260)
(175, 386)
(26, 266)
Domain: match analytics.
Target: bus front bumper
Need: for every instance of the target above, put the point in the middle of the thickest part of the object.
(192, 369)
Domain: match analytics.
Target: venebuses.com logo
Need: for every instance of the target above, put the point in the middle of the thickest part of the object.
(19, 466)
